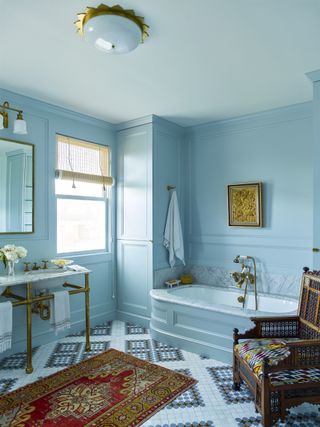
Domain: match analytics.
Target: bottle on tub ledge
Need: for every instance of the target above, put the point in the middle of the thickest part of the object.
(186, 279)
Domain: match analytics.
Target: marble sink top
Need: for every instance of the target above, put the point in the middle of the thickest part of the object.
(46, 271)
(40, 278)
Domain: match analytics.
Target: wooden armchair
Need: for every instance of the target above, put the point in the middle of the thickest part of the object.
(280, 357)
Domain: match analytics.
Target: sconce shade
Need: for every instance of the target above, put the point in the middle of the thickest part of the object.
(20, 126)
(113, 34)
(1, 121)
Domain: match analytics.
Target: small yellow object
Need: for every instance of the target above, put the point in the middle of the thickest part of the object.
(61, 262)
(186, 279)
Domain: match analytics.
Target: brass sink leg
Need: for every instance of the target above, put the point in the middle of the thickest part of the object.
(29, 368)
(87, 303)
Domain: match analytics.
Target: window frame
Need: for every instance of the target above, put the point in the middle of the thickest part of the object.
(107, 220)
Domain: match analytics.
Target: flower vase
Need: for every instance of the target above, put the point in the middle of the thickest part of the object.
(10, 265)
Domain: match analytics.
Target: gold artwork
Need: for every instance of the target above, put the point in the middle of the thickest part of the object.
(244, 205)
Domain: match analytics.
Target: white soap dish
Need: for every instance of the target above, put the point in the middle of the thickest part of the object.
(173, 282)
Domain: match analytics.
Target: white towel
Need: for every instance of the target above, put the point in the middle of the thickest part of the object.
(173, 237)
(5, 325)
(60, 311)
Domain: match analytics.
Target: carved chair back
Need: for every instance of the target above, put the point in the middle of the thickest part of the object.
(309, 307)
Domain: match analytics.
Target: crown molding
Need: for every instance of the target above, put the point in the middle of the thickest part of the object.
(27, 104)
(151, 119)
(314, 76)
(256, 120)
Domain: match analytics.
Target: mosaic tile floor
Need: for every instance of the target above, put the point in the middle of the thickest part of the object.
(211, 402)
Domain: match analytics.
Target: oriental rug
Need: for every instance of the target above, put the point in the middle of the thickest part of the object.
(112, 389)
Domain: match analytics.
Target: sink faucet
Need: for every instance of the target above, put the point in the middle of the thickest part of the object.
(245, 276)
(35, 266)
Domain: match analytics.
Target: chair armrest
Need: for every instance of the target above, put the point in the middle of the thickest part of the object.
(270, 327)
(303, 354)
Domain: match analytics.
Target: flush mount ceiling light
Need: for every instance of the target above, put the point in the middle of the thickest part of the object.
(112, 29)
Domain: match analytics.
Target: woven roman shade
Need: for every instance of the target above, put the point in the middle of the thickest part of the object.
(82, 161)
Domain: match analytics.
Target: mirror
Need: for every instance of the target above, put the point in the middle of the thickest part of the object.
(16, 187)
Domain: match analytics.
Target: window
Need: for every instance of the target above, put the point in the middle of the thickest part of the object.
(82, 187)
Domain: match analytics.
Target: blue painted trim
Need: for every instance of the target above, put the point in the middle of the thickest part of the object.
(133, 318)
(27, 103)
(252, 121)
(133, 123)
(314, 76)
(154, 119)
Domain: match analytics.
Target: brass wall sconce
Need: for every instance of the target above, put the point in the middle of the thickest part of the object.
(19, 125)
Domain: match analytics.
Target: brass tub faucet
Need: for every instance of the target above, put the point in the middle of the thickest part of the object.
(246, 277)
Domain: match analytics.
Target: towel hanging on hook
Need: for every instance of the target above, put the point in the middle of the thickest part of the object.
(173, 236)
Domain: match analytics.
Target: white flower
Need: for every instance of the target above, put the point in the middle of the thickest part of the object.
(11, 256)
(8, 248)
(12, 253)
(21, 251)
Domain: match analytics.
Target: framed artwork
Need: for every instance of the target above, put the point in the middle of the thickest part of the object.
(245, 205)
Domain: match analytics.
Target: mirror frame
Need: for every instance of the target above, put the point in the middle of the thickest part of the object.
(33, 185)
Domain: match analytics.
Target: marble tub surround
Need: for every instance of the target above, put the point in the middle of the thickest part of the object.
(269, 283)
(164, 274)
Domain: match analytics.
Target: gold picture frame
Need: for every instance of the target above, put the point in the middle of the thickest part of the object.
(245, 205)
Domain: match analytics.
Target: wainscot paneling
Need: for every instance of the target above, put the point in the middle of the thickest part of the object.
(44, 121)
(274, 147)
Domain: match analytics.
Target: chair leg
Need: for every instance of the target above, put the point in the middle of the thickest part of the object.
(236, 374)
(265, 403)
(282, 407)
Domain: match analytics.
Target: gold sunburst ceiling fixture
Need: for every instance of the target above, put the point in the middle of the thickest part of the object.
(112, 29)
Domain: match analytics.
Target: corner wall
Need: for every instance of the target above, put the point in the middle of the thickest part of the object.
(274, 147)
(44, 121)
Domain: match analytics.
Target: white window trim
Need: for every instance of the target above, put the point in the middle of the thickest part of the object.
(107, 249)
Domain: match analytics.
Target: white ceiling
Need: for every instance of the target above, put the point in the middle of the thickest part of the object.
(205, 59)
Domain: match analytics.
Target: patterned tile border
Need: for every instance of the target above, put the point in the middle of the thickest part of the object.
(190, 399)
(6, 384)
(222, 376)
(16, 361)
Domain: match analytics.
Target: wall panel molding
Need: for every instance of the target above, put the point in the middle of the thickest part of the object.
(274, 242)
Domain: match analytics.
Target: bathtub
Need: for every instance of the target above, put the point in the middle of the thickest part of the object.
(201, 318)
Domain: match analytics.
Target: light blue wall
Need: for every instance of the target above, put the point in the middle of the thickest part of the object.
(44, 121)
(168, 169)
(274, 147)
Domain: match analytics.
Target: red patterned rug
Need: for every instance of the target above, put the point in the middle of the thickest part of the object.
(112, 389)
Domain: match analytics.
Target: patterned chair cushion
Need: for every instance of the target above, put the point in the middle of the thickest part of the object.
(255, 352)
(296, 376)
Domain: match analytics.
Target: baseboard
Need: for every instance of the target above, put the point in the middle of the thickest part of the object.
(133, 318)
(46, 336)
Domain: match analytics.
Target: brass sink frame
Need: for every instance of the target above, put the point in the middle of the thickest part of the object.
(29, 301)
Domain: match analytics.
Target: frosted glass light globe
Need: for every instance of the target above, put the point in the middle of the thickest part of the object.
(20, 127)
(112, 33)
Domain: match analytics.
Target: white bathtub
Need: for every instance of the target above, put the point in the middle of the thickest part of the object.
(201, 318)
